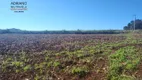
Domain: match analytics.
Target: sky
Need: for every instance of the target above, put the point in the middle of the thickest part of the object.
(70, 14)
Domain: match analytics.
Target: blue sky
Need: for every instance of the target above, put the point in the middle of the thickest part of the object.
(70, 14)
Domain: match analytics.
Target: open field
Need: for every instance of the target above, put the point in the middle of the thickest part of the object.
(71, 56)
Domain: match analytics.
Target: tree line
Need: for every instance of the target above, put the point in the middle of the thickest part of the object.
(130, 26)
(18, 31)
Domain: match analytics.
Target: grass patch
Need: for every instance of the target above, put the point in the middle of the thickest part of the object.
(123, 60)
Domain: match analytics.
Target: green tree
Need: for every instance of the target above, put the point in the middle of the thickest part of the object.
(130, 26)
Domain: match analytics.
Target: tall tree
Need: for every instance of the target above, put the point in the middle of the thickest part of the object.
(130, 26)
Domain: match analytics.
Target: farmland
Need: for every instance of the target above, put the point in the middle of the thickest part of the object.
(71, 56)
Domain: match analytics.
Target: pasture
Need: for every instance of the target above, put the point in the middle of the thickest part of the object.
(71, 56)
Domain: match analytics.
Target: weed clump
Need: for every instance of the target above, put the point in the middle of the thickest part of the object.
(80, 71)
